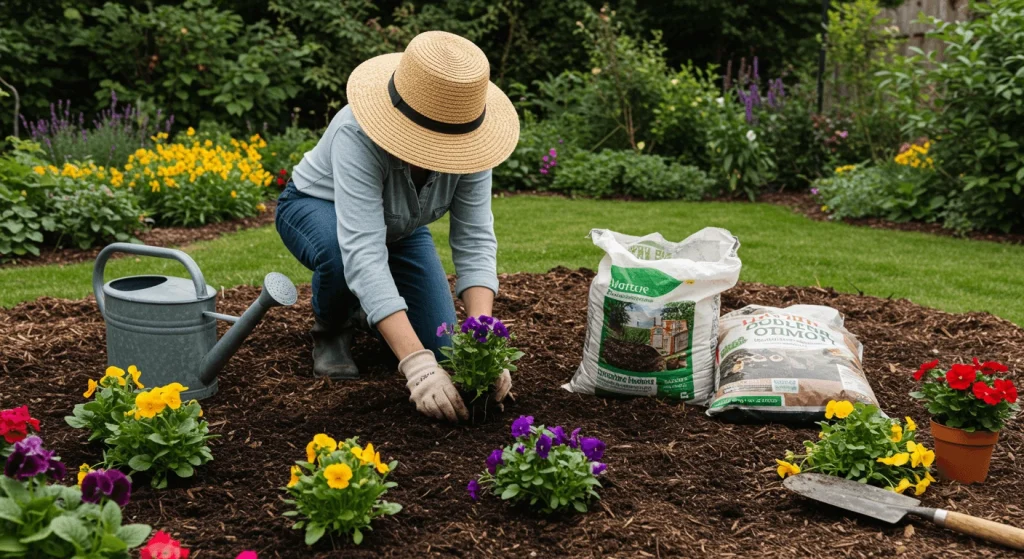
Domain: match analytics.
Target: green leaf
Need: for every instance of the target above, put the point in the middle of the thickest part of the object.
(111, 516)
(113, 545)
(510, 491)
(579, 506)
(157, 438)
(71, 530)
(10, 544)
(9, 510)
(357, 536)
(141, 462)
(75, 422)
(134, 535)
(313, 533)
(39, 536)
(183, 471)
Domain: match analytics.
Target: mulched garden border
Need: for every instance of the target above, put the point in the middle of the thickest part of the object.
(155, 236)
(679, 484)
(805, 204)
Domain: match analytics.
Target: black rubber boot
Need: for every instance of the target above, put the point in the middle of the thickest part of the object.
(332, 352)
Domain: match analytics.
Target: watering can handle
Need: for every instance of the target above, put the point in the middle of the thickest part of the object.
(144, 250)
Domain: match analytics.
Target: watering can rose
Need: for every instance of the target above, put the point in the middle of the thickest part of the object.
(338, 488)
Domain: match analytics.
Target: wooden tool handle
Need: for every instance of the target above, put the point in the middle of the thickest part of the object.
(981, 528)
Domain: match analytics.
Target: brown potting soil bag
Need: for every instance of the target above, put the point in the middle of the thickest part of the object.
(786, 364)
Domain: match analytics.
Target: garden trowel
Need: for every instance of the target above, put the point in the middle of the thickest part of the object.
(891, 507)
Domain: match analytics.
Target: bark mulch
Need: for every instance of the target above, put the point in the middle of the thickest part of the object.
(805, 204)
(156, 236)
(679, 484)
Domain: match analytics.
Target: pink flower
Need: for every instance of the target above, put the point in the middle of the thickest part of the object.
(247, 555)
(543, 171)
(842, 134)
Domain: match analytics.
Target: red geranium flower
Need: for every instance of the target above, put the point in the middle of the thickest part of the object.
(993, 367)
(163, 546)
(925, 368)
(14, 424)
(961, 376)
(1006, 389)
(986, 393)
(280, 181)
(283, 172)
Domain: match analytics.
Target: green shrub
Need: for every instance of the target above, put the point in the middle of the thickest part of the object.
(739, 158)
(891, 191)
(534, 163)
(972, 104)
(628, 173)
(284, 151)
(86, 214)
(20, 225)
(789, 131)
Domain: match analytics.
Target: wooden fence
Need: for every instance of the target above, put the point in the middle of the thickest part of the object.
(905, 16)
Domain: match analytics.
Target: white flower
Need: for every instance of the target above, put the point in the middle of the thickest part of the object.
(720, 101)
(675, 81)
(640, 146)
(751, 136)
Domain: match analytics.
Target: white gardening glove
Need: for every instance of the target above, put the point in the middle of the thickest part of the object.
(430, 387)
(502, 386)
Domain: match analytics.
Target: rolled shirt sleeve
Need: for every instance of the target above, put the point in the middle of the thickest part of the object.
(358, 183)
(474, 246)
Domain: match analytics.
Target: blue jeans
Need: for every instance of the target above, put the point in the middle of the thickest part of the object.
(309, 228)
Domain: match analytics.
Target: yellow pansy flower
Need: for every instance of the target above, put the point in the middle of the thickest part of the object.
(896, 459)
(170, 395)
(93, 385)
(295, 471)
(921, 485)
(115, 373)
(903, 486)
(320, 442)
(338, 475)
(190, 132)
(911, 426)
(838, 409)
(83, 471)
(897, 433)
(148, 404)
(39, 170)
(919, 455)
(786, 469)
(135, 373)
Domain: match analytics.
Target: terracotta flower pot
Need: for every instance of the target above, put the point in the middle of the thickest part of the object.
(963, 456)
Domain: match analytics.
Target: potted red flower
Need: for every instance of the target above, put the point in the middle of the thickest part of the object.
(969, 406)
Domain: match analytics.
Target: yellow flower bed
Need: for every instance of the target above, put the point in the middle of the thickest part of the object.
(916, 156)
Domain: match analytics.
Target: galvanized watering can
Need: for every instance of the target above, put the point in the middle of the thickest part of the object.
(167, 326)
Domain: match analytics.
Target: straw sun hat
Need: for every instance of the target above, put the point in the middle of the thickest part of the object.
(434, 106)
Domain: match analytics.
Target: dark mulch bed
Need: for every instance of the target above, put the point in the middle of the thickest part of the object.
(805, 204)
(156, 236)
(679, 484)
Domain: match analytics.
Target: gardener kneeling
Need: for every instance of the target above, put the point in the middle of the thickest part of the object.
(418, 139)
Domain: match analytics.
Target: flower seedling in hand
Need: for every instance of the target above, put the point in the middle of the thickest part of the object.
(159, 435)
(544, 467)
(480, 353)
(968, 397)
(338, 489)
(867, 447)
(43, 520)
(15, 425)
(111, 396)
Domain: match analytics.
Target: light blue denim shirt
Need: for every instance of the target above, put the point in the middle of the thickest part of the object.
(377, 203)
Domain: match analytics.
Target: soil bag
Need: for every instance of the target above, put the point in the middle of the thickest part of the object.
(786, 364)
(652, 316)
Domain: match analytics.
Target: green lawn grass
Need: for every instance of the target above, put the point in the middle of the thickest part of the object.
(538, 233)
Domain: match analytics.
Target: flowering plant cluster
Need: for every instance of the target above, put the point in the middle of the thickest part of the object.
(915, 155)
(38, 519)
(112, 396)
(338, 489)
(479, 353)
(549, 161)
(867, 447)
(967, 396)
(15, 425)
(544, 467)
(198, 182)
(160, 435)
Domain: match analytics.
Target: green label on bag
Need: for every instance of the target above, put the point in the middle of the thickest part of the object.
(643, 282)
(762, 401)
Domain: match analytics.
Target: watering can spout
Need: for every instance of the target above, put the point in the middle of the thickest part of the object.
(278, 291)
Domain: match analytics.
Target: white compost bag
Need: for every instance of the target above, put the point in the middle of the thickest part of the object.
(786, 364)
(652, 318)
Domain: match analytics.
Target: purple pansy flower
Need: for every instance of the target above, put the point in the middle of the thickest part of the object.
(592, 447)
(494, 460)
(598, 468)
(521, 426)
(471, 323)
(543, 446)
(474, 489)
(484, 319)
(500, 329)
(106, 483)
(521, 449)
(574, 439)
(442, 329)
(29, 459)
(558, 436)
